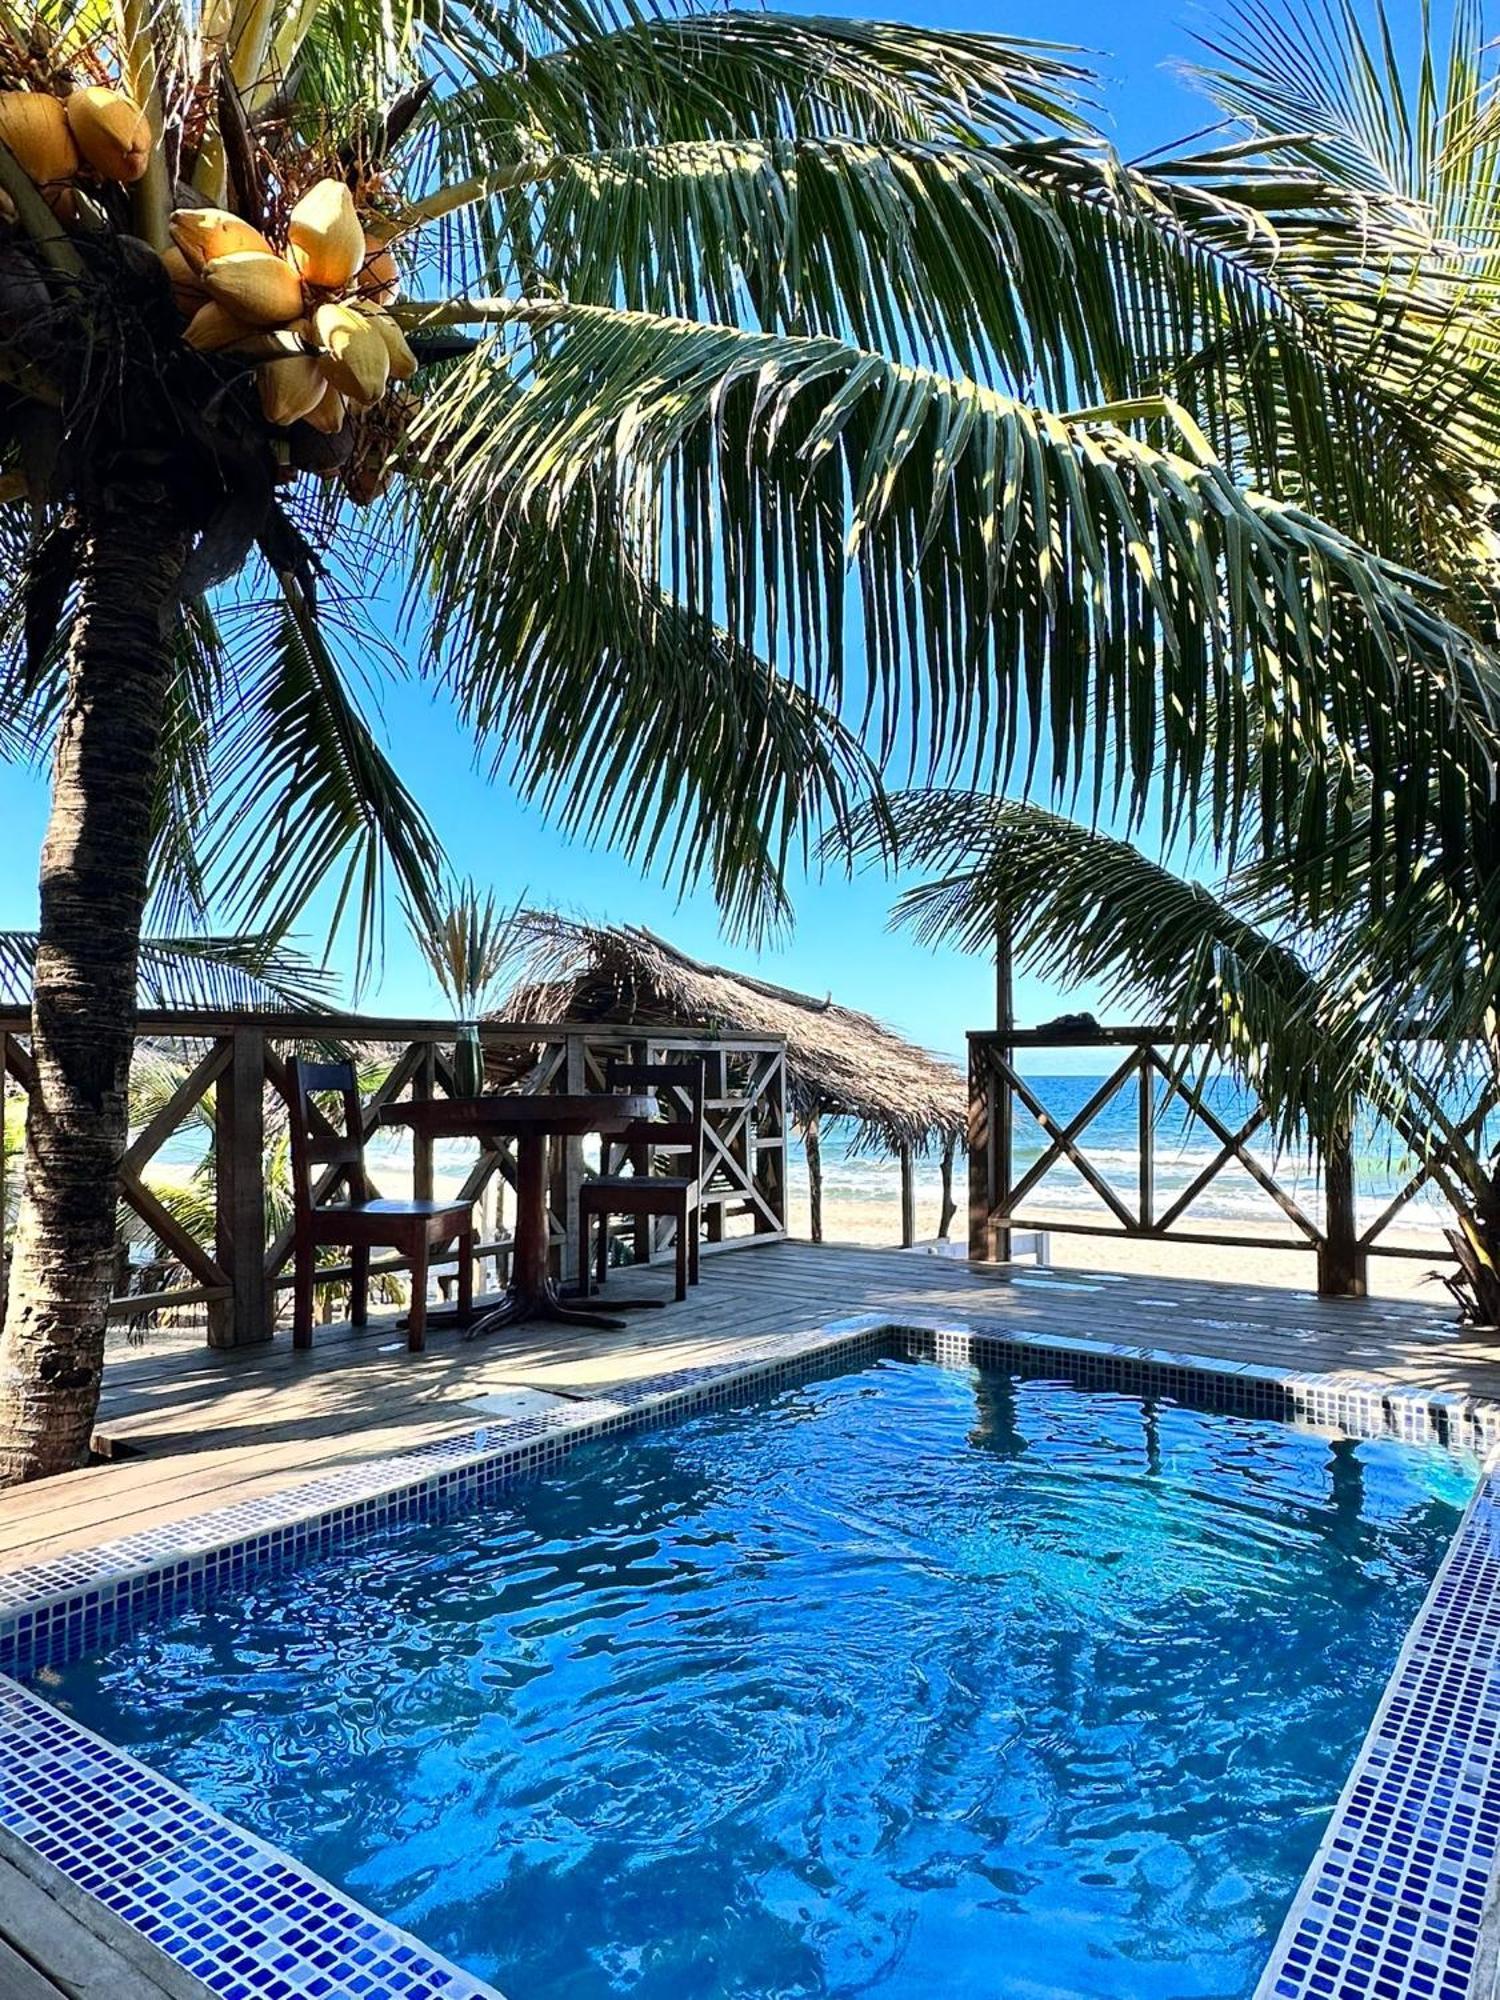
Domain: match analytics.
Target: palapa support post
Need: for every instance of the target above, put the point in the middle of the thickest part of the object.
(1343, 1262)
(949, 1206)
(243, 1318)
(812, 1145)
(908, 1198)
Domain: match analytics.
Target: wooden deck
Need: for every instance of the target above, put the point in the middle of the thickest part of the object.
(211, 1428)
(56, 1943)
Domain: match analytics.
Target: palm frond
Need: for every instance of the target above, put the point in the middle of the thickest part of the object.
(255, 973)
(1036, 589)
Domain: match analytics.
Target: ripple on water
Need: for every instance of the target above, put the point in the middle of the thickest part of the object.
(917, 1676)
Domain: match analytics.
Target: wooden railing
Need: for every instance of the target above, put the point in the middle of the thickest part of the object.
(233, 1070)
(1152, 1063)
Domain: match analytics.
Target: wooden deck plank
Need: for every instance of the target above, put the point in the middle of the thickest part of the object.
(56, 1943)
(215, 1428)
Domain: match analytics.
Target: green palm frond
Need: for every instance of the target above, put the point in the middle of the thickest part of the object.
(255, 972)
(1032, 586)
(625, 716)
(300, 794)
(1083, 906)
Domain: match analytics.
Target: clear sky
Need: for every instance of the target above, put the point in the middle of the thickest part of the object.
(840, 944)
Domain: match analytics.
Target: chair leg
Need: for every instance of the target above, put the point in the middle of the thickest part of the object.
(682, 1256)
(302, 1296)
(416, 1319)
(695, 1226)
(601, 1252)
(466, 1274)
(359, 1289)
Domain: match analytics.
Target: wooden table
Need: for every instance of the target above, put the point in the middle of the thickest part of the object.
(532, 1121)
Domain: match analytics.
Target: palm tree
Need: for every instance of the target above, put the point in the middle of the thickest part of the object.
(725, 331)
(1226, 967)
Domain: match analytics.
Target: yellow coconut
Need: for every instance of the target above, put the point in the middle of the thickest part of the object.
(256, 284)
(111, 131)
(328, 413)
(290, 389)
(35, 127)
(213, 328)
(186, 288)
(379, 275)
(327, 241)
(355, 357)
(403, 361)
(204, 234)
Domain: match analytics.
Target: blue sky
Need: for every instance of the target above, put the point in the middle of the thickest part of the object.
(840, 943)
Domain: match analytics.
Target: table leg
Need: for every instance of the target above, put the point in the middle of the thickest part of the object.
(531, 1293)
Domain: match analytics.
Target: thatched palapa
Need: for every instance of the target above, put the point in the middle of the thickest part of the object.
(840, 1063)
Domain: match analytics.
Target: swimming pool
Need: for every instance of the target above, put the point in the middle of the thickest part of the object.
(914, 1675)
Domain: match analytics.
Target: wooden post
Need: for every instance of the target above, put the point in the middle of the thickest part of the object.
(812, 1143)
(4, 1257)
(239, 1172)
(1343, 1265)
(715, 1092)
(950, 1206)
(981, 1161)
(421, 1142)
(1004, 1106)
(576, 1083)
(908, 1200)
(1146, 1137)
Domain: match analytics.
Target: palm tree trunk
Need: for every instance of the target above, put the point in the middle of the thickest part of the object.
(95, 862)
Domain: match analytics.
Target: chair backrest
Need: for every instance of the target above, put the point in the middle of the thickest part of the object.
(316, 1142)
(682, 1132)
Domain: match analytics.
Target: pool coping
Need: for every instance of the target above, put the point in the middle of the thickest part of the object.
(252, 1923)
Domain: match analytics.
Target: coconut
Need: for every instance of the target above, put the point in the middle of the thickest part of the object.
(213, 328)
(112, 133)
(290, 389)
(328, 413)
(35, 127)
(355, 357)
(403, 361)
(259, 286)
(186, 286)
(379, 275)
(203, 234)
(326, 239)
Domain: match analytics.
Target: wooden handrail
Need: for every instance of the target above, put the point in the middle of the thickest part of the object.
(241, 1073)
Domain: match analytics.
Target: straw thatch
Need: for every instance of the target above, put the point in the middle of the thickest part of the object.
(840, 1063)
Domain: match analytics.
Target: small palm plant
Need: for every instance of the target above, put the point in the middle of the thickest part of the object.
(472, 951)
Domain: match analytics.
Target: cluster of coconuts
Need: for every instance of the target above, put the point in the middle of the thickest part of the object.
(56, 138)
(314, 317)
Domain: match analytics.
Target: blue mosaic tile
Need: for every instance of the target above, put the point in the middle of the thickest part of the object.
(228, 1908)
(1393, 1901)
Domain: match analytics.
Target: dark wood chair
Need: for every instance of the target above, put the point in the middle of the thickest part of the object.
(363, 1220)
(643, 1193)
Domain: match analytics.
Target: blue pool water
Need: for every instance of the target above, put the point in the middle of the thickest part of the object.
(915, 1680)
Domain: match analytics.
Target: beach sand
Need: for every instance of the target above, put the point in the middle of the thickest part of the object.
(877, 1223)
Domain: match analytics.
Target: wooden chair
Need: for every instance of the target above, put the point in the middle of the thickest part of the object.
(364, 1221)
(642, 1193)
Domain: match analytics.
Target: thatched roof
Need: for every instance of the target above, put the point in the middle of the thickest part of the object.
(840, 1063)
